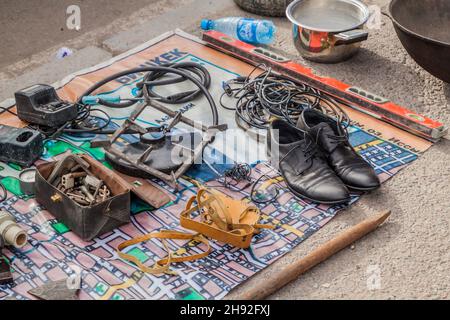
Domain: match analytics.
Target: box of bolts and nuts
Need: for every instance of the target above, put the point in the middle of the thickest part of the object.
(83, 194)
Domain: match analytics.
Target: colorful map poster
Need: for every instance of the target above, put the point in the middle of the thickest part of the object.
(55, 253)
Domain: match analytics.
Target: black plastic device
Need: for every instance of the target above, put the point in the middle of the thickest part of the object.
(20, 146)
(40, 104)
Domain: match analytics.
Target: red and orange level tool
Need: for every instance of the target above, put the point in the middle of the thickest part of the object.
(352, 96)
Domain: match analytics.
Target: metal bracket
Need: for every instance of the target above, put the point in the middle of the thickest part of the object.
(177, 117)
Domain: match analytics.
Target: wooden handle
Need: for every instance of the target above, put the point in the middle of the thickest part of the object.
(294, 270)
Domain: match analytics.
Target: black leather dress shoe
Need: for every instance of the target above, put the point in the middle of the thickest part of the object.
(302, 165)
(332, 137)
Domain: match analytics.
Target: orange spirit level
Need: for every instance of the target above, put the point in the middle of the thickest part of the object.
(352, 96)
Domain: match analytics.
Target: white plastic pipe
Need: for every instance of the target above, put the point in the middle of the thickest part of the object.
(11, 232)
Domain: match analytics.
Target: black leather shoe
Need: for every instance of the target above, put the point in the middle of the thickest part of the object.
(302, 165)
(332, 137)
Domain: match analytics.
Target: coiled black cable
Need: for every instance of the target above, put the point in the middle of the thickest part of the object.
(269, 95)
(147, 91)
(154, 76)
(238, 173)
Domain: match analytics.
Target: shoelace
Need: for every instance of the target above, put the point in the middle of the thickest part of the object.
(337, 139)
(310, 151)
(334, 139)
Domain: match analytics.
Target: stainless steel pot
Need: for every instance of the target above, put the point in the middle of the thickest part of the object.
(328, 31)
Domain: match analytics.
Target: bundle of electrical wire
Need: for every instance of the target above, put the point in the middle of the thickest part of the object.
(270, 95)
(95, 120)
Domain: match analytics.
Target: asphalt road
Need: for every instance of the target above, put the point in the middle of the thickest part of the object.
(28, 27)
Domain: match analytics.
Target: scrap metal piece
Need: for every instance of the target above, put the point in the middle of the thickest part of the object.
(5, 272)
(68, 181)
(104, 193)
(87, 193)
(139, 163)
(65, 164)
(55, 290)
(100, 144)
(94, 182)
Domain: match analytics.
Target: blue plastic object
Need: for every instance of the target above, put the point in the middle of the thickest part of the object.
(92, 100)
(245, 29)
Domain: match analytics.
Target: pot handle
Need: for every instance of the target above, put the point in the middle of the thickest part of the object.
(349, 37)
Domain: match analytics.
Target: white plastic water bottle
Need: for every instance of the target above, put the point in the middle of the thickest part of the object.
(245, 29)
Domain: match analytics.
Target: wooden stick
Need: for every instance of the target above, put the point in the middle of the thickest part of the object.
(294, 270)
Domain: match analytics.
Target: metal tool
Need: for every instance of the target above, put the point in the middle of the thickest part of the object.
(140, 163)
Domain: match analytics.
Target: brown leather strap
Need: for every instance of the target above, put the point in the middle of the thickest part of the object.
(163, 265)
(223, 218)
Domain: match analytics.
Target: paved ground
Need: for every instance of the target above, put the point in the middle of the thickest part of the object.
(29, 27)
(412, 251)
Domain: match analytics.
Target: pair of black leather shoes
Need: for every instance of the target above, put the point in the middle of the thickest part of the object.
(317, 160)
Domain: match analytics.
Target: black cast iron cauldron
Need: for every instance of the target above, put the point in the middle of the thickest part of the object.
(423, 27)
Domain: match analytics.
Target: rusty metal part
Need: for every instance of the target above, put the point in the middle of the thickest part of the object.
(104, 193)
(68, 181)
(91, 181)
(68, 163)
(75, 210)
(77, 185)
(172, 178)
(423, 28)
(294, 270)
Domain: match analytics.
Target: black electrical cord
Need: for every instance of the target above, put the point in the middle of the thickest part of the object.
(147, 90)
(269, 95)
(238, 173)
(155, 79)
(253, 192)
(8, 110)
(154, 76)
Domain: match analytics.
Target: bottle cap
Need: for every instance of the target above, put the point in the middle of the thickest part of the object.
(206, 24)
